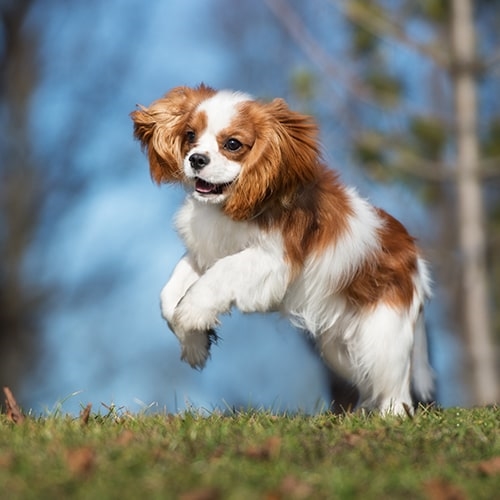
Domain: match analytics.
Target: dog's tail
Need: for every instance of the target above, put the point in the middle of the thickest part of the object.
(422, 374)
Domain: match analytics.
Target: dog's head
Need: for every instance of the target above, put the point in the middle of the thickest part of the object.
(230, 149)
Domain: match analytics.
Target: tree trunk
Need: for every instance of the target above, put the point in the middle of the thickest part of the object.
(471, 230)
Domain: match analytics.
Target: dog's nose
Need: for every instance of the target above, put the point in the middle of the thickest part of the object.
(198, 161)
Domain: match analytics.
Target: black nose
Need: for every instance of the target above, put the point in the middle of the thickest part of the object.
(198, 161)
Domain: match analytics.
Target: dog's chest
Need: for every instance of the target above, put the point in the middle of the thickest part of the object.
(209, 235)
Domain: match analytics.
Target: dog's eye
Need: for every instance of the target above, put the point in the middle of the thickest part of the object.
(190, 136)
(232, 144)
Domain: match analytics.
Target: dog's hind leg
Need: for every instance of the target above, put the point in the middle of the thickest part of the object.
(382, 360)
(374, 354)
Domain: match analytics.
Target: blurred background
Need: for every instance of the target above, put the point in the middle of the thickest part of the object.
(406, 94)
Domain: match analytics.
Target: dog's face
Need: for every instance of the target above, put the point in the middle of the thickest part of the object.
(228, 148)
(216, 145)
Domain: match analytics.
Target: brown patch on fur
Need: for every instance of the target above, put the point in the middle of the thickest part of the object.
(244, 131)
(197, 123)
(388, 276)
(283, 158)
(316, 219)
(283, 184)
(161, 129)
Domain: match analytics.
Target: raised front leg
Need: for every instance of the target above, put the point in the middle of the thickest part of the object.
(182, 278)
(195, 344)
(253, 280)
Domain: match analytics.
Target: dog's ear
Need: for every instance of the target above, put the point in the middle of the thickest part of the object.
(297, 136)
(284, 157)
(160, 129)
(158, 141)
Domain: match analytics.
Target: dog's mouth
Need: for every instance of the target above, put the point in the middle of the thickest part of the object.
(207, 188)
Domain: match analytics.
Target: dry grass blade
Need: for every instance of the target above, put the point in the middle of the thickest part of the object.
(13, 411)
(85, 414)
(408, 410)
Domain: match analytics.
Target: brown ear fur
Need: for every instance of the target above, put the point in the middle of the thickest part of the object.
(284, 157)
(159, 129)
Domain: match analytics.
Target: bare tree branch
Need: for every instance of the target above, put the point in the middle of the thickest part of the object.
(384, 27)
(316, 53)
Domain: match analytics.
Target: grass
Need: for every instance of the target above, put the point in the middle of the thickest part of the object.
(439, 454)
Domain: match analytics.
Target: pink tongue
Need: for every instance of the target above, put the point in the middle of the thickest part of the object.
(204, 187)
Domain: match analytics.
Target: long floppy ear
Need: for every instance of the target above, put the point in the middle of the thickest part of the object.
(159, 128)
(284, 158)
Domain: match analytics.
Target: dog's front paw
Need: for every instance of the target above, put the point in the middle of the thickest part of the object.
(196, 348)
(193, 314)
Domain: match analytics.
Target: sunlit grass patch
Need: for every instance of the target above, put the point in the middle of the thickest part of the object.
(250, 454)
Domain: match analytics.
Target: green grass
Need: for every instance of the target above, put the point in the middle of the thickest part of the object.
(437, 454)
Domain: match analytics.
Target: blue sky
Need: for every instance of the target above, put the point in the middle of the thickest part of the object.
(117, 348)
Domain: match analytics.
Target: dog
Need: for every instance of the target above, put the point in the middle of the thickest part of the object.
(268, 227)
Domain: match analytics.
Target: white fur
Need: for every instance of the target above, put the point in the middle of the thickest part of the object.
(228, 264)
(313, 300)
(238, 264)
(235, 264)
(220, 110)
(422, 372)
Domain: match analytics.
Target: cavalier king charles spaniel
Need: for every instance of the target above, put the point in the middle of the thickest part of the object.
(268, 227)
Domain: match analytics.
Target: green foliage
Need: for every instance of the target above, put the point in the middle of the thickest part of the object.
(429, 135)
(303, 84)
(387, 88)
(491, 143)
(435, 11)
(368, 149)
(363, 41)
(253, 455)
